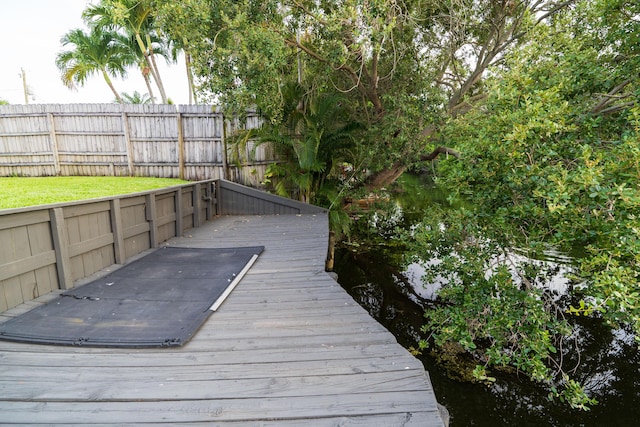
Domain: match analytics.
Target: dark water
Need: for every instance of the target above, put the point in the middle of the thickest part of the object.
(609, 359)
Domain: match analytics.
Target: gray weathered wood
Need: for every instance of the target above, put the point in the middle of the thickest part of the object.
(197, 205)
(111, 139)
(152, 219)
(59, 236)
(179, 212)
(289, 347)
(127, 137)
(54, 144)
(117, 230)
(181, 147)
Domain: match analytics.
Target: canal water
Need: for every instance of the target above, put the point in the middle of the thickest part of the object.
(394, 294)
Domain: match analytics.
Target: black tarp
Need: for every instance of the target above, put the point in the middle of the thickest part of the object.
(159, 300)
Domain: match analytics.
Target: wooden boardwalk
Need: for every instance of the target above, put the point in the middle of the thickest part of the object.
(289, 347)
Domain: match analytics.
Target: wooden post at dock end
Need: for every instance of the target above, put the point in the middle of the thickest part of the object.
(117, 231)
(152, 219)
(328, 266)
(60, 245)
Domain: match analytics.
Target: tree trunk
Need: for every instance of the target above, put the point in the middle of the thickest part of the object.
(151, 64)
(163, 94)
(113, 89)
(147, 81)
(192, 92)
(388, 176)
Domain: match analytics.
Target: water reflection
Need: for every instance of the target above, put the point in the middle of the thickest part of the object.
(608, 361)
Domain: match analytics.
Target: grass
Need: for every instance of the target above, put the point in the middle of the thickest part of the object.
(21, 192)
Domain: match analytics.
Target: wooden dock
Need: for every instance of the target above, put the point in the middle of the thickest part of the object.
(289, 347)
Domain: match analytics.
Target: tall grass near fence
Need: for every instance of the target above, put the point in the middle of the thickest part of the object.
(21, 192)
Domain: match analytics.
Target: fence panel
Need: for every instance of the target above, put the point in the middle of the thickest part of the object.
(186, 141)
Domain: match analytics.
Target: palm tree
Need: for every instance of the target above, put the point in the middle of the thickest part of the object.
(95, 52)
(136, 98)
(130, 43)
(135, 18)
(312, 139)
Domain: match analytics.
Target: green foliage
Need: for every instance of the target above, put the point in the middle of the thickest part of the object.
(313, 140)
(136, 98)
(134, 27)
(541, 99)
(550, 161)
(491, 303)
(96, 52)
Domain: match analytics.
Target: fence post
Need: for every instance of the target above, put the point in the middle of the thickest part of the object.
(127, 138)
(181, 149)
(225, 165)
(54, 144)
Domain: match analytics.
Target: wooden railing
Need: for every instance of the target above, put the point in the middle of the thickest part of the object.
(49, 247)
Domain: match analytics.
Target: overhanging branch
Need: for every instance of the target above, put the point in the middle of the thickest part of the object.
(439, 150)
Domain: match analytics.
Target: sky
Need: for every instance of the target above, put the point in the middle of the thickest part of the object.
(31, 31)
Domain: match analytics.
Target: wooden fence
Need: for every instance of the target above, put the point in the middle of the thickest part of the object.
(187, 141)
(49, 247)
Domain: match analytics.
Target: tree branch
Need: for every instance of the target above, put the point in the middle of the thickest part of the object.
(609, 98)
(616, 108)
(439, 150)
(555, 10)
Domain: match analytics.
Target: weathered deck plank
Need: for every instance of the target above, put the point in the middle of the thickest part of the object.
(289, 347)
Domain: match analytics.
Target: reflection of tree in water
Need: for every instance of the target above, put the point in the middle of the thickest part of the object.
(609, 365)
(388, 296)
(608, 361)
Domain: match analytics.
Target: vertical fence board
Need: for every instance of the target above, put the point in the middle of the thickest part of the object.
(127, 138)
(181, 149)
(112, 139)
(54, 144)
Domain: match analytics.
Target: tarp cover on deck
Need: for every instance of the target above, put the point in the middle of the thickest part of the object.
(159, 300)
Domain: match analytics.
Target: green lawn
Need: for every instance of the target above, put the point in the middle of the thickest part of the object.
(20, 192)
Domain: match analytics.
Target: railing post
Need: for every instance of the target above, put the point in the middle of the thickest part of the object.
(208, 198)
(60, 246)
(197, 203)
(116, 229)
(216, 199)
(178, 209)
(152, 219)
